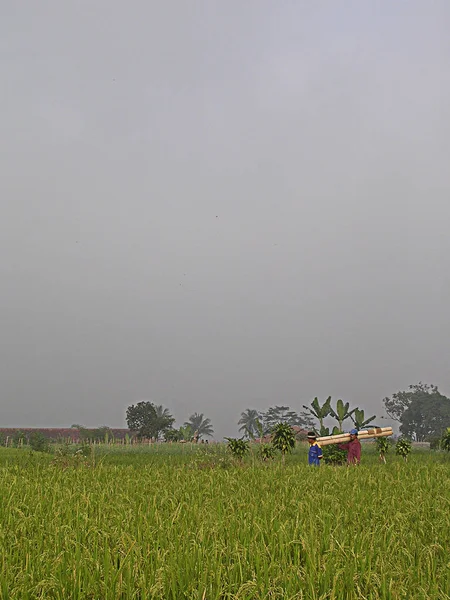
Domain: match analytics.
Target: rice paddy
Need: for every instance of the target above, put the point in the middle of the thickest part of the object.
(174, 522)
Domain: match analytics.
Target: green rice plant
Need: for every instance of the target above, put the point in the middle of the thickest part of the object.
(146, 523)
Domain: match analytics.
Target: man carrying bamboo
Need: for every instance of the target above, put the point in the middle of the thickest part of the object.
(353, 448)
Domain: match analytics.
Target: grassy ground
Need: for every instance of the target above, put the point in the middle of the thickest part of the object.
(174, 522)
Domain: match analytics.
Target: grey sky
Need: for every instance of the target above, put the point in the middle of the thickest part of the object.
(221, 205)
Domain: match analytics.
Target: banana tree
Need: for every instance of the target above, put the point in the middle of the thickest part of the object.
(320, 412)
(358, 419)
(342, 412)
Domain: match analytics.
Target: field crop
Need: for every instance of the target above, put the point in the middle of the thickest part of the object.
(177, 523)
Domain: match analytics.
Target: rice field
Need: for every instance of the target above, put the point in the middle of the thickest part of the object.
(187, 523)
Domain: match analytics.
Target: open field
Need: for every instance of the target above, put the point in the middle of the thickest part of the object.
(172, 522)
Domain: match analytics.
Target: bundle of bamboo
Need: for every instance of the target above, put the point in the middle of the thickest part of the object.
(364, 434)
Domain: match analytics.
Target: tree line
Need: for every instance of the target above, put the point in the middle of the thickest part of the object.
(422, 412)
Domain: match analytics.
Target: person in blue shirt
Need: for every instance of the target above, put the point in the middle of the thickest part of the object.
(315, 451)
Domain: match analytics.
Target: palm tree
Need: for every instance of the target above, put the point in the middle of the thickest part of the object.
(199, 425)
(249, 422)
(161, 412)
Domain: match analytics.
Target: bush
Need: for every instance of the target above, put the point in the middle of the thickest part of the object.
(332, 455)
(38, 442)
(266, 452)
(403, 448)
(238, 448)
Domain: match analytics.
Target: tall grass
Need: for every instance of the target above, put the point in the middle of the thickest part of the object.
(191, 525)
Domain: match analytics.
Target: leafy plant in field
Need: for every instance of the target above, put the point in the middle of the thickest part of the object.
(266, 452)
(403, 448)
(237, 447)
(283, 438)
(38, 442)
(18, 438)
(382, 445)
(333, 455)
(445, 442)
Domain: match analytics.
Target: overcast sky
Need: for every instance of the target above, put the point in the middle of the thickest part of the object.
(217, 205)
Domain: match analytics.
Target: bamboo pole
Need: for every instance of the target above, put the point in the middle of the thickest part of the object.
(364, 434)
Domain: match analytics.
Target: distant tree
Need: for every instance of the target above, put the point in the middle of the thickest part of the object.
(426, 417)
(249, 422)
(400, 401)
(200, 426)
(144, 420)
(283, 414)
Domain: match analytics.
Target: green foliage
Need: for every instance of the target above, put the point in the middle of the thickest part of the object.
(237, 447)
(445, 441)
(38, 442)
(174, 529)
(266, 452)
(199, 425)
(283, 414)
(249, 421)
(19, 438)
(359, 421)
(283, 438)
(400, 401)
(341, 413)
(403, 448)
(319, 412)
(382, 444)
(426, 417)
(333, 455)
(147, 420)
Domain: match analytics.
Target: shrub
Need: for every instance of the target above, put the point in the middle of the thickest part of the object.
(266, 452)
(38, 442)
(333, 455)
(238, 448)
(403, 448)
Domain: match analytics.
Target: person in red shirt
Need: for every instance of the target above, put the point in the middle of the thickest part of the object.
(353, 448)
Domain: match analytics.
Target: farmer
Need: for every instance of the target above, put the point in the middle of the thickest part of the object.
(353, 448)
(315, 451)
